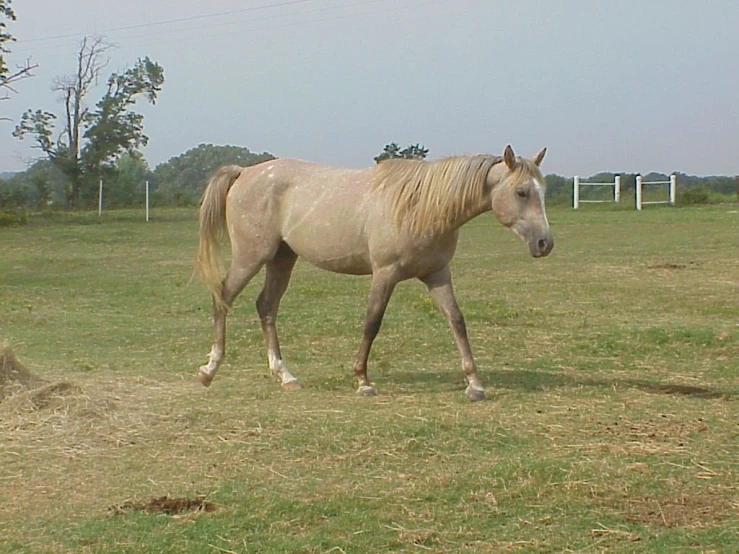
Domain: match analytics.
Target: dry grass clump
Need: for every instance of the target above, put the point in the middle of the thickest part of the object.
(26, 398)
(62, 441)
(14, 376)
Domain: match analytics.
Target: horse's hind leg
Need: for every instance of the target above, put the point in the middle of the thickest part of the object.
(237, 277)
(277, 277)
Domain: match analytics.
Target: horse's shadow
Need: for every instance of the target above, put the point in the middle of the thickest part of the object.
(536, 381)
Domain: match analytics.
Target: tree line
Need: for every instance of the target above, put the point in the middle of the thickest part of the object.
(82, 145)
(180, 180)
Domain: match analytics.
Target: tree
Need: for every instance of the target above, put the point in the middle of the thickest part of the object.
(43, 183)
(131, 172)
(410, 152)
(7, 78)
(92, 139)
(182, 179)
(559, 188)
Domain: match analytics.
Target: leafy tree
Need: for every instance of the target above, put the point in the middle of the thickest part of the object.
(181, 180)
(391, 150)
(559, 188)
(723, 185)
(43, 183)
(92, 139)
(410, 152)
(13, 195)
(7, 78)
(127, 183)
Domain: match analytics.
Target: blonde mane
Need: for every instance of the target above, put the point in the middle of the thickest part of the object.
(429, 197)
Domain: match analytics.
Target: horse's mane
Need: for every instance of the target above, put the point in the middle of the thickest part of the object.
(429, 197)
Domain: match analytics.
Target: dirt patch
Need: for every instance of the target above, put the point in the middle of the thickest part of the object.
(672, 266)
(660, 429)
(165, 505)
(663, 435)
(701, 510)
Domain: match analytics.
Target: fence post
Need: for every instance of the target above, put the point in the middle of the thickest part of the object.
(576, 192)
(100, 199)
(638, 192)
(147, 200)
(673, 187)
(617, 189)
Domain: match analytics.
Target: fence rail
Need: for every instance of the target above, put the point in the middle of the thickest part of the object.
(577, 183)
(672, 186)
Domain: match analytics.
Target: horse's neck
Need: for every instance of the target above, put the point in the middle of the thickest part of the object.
(482, 203)
(476, 207)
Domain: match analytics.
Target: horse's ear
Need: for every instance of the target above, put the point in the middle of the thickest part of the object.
(509, 157)
(539, 157)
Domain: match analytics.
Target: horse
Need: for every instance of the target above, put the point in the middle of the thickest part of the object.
(396, 221)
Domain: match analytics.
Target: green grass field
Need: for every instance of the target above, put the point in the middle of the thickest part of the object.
(612, 374)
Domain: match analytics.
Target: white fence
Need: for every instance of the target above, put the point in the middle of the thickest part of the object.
(576, 201)
(672, 183)
(100, 199)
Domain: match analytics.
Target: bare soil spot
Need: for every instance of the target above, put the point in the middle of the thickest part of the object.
(165, 505)
(672, 266)
(704, 510)
(655, 430)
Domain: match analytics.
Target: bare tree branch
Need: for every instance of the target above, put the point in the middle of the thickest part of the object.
(6, 81)
(91, 60)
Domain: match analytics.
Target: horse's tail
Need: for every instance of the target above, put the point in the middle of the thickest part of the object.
(209, 261)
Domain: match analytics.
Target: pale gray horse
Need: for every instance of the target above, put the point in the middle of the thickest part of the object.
(396, 221)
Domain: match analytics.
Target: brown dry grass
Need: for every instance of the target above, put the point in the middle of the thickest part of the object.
(14, 376)
(61, 440)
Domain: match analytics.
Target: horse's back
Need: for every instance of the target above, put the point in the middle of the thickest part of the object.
(319, 211)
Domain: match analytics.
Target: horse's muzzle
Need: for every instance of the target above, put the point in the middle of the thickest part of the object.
(542, 247)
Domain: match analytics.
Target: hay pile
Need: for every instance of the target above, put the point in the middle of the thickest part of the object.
(77, 446)
(34, 410)
(27, 392)
(14, 376)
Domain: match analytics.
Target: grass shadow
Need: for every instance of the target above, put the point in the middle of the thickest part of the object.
(536, 380)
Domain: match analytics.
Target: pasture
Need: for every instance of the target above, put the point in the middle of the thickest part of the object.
(610, 425)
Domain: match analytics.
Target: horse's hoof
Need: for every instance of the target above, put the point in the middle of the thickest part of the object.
(291, 385)
(475, 393)
(366, 390)
(205, 378)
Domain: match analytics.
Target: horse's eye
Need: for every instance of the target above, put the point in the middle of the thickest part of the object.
(521, 193)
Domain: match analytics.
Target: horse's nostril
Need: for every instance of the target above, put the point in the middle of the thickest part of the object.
(543, 243)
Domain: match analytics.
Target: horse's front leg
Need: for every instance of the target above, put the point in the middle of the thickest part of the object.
(442, 293)
(383, 284)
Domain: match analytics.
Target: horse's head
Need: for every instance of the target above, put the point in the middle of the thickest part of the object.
(518, 190)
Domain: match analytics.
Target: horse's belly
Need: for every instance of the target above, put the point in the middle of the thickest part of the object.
(329, 253)
(351, 264)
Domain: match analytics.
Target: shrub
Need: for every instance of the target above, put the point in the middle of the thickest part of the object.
(13, 218)
(692, 196)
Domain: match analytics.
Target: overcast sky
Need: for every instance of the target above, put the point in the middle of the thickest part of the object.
(627, 85)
